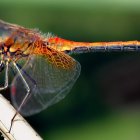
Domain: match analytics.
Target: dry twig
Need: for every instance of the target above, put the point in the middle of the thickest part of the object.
(20, 130)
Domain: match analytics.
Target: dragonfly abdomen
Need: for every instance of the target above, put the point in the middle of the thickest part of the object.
(122, 47)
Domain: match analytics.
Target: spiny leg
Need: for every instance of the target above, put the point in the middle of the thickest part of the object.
(27, 94)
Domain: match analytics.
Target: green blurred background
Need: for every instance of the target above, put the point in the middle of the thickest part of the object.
(105, 101)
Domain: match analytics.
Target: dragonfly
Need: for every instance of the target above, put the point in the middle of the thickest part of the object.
(43, 70)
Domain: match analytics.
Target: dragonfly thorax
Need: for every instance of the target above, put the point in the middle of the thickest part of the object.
(11, 51)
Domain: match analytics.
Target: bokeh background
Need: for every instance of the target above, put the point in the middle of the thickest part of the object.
(104, 104)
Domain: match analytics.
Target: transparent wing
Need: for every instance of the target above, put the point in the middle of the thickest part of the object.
(13, 31)
(49, 81)
(7, 28)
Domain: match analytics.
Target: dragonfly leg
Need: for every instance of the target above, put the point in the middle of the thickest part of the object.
(6, 77)
(26, 96)
(26, 86)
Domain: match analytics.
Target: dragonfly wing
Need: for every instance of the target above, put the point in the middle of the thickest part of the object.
(13, 31)
(7, 29)
(48, 83)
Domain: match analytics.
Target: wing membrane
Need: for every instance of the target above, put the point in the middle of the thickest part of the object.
(17, 32)
(48, 82)
(8, 28)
